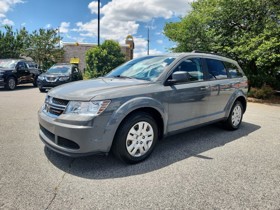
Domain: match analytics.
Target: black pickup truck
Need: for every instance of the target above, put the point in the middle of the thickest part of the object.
(17, 71)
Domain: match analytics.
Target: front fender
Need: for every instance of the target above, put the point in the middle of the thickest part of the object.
(128, 107)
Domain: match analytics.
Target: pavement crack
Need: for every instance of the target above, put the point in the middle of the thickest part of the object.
(58, 185)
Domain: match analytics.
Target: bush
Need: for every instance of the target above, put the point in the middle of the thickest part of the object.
(265, 92)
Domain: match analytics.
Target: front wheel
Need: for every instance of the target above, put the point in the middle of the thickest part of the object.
(11, 83)
(42, 90)
(235, 117)
(136, 138)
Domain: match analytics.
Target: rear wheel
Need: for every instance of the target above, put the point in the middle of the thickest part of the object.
(235, 117)
(11, 83)
(136, 138)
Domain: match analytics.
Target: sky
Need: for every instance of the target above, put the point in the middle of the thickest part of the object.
(77, 19)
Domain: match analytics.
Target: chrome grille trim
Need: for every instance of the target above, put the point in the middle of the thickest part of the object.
(53, 106)
(51, 79)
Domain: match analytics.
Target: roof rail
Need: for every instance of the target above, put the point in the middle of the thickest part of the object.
(212, 53)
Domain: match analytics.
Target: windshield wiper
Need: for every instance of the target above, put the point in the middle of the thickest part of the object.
(121, 76)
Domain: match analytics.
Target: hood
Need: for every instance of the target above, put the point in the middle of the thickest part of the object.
(5, 69)
(86, 90)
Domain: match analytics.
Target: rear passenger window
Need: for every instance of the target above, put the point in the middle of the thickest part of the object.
(193, 67)
(216, 69)
(233, 70)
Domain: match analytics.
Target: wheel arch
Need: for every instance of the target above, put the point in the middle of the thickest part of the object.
(142, 104)
(154, 113)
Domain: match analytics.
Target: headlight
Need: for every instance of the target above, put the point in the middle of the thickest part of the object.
(91, 108)
(41, 77)
(63, 78)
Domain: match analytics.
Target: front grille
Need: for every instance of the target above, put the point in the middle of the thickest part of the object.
(55, 106)
(60, 101)
(63, 142)
(47, 133)
(51, 79)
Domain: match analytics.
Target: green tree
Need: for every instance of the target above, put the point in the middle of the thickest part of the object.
(102, 59)
(12, 44)
(43, 47)
(245, 30)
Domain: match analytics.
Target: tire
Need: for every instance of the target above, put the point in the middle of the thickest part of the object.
(235, 117)
(35, 83)
(42, 90)
(133, 144)
(11, 83)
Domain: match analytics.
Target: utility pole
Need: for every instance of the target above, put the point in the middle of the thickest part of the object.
(148, 41)
(98, 30)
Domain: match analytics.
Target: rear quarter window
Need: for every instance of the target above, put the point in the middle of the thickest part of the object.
(233, 70)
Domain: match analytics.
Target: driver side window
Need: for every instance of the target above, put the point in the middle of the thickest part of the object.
(193, 67)
(21, 65)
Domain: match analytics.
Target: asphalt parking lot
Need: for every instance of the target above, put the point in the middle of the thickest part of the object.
(206, 168)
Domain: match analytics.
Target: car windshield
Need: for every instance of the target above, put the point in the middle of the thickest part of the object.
(11, 64)
(59, 69)
(145, 68)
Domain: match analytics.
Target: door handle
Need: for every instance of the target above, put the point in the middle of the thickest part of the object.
(204, 88)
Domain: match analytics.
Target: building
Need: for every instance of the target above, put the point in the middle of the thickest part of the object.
(75, 52)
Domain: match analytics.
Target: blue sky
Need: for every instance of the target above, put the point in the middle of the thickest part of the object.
(77, 19)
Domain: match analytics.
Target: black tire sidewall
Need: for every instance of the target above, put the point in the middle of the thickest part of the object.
(119, 145)
(8, 82)
(229, 121)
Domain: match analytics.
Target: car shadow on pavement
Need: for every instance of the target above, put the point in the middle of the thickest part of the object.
(168, 151)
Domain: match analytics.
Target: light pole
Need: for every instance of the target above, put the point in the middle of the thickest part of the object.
(148, 41)
(98, 27)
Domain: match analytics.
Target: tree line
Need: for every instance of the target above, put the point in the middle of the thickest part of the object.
(245, 30)
(41, 45)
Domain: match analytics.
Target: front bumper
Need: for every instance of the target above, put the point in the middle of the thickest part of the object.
(42, 84)
(74, 140)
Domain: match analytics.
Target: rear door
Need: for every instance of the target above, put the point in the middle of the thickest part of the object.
(221, 88)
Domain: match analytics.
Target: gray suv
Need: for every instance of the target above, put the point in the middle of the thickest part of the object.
(143, 100)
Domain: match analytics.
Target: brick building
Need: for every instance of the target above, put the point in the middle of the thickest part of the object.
(76, 52)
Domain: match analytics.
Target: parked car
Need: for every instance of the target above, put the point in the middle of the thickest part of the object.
(58, 74)
(143, 100)
(17, 71)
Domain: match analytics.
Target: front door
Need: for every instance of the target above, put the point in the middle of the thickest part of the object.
(23, 74)
(187, 101)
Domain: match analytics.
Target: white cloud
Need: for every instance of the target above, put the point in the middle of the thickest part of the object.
(76, 39)
(5, 6)
(7, 22)
(141, 48)
(122, 17)
(159, 41)
(48, 26)
(93, 7)
(64, 27)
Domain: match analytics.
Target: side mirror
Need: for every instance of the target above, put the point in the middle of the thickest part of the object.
(178, 76)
